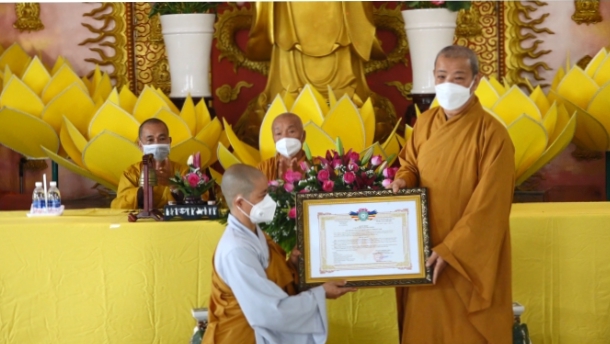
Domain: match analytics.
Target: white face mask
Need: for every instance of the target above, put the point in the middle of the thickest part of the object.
(263, 211)
(452, 96)
(159, 150)
(288, 147)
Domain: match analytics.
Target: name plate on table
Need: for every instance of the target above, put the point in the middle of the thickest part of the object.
(190, 212)
(369, 238)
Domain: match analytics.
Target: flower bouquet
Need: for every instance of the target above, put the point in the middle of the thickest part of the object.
(337, 171)
(192, 185)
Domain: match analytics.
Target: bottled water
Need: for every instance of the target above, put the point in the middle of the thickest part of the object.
(54, 198)
(38, 199)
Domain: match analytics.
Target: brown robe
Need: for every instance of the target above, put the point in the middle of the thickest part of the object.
(274, 169)
(227, 323)
(467, 165)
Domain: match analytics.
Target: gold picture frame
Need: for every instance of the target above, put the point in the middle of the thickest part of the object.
(369, 238)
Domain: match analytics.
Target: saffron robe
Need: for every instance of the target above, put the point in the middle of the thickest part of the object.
(467, 165)
(127, 191)
(272, 168)
(253, 294)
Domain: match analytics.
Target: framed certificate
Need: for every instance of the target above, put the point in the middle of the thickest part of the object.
(369, 238)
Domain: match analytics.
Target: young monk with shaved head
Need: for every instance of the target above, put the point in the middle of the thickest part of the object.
(254, 297)
(289, 137)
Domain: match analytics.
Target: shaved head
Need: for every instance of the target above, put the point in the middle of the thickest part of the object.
(287, 125)
(242, 180)
(460, 52)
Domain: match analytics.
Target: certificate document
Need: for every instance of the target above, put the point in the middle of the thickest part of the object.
(363, 239)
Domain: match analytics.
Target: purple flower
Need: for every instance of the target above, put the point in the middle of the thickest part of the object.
(292, 213)
(328, 186)
(304, 166)
(390, 172)
(289, 187)
(323, 175)
(349, 177)
(376, 160)
(386, 182)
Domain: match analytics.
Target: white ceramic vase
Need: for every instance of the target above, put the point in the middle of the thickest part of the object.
(428, 31)
(188, 44)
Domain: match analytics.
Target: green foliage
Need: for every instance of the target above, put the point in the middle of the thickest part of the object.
(450, 5)
(164, 8)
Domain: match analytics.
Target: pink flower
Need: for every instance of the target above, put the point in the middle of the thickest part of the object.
(376, 160)
(386, 182)
(205, 178)
(289, 187)
(292, 176)
(353, 156)
(352, 166)
(437, 3)
(328, 186)
(390, 172)
(323, 175)
(273, 183)
(304, 166)
(349, 177)
(192, 179)
(292, 213)
(304, 191)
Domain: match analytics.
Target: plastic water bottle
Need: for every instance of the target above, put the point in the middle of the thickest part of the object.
(54, 198)
(38, 199)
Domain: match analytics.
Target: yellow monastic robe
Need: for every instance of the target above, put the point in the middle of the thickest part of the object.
(227, 323)
(272, 168)
(127, 191)
(467, 165)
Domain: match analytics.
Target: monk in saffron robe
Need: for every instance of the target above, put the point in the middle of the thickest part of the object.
(153, 139)
(465, 158)
(253, 298)
(289, 136)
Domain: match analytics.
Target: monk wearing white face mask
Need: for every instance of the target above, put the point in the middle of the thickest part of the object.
(289, 137)
(254, 297)
(153, 139)
(466, 160)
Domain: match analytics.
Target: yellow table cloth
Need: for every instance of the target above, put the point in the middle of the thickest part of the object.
(92, 277)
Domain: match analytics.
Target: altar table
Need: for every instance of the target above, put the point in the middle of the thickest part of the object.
(92, 277)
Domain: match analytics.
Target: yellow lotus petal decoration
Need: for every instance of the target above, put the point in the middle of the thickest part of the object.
(73, 103)
(265, 140)
(70, 146)
(70, 166)
(288, 99)
(17, 95)
(203, 115)
(225, 157)
(113, 97)
(113, 118)
(13, 123)
(318, 140)
(189, 115)
(307, 107)
(596, 62)
(36, 76)
(540, 99)
(487, 93)
(217, 176)
(368, 120)
(108, 155)
(178, 129)
(243, 152)
(602, 74)
(16, 58)
(149, 102)
(210, 135)
(584, 90)
(513, 104)
(345, 121)
(530, 140)
(127, 100)
(60, 81)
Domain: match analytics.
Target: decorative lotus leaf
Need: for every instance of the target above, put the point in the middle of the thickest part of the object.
(87, 125)
(323, 121)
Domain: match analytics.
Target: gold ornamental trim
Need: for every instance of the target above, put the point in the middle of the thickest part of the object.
(111, 34)
(404, 89)
(227, 94)
(587, 12)
(515, 38)
(28, 17)
(390, 20)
